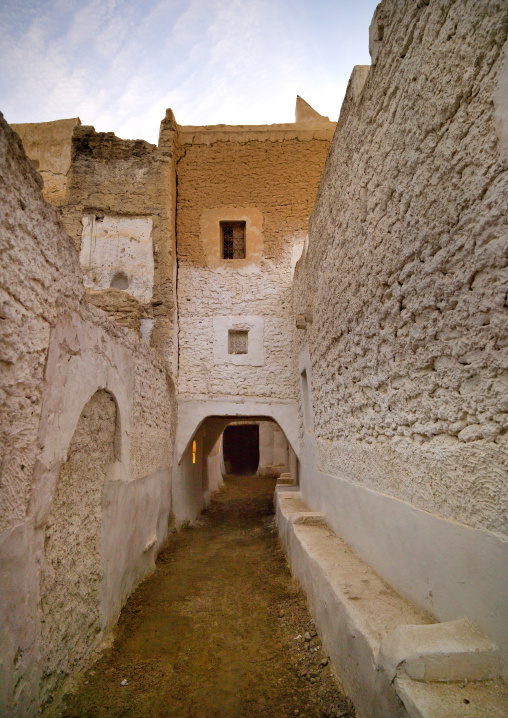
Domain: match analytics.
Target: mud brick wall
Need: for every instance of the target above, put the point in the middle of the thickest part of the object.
(406, 271)
(101, 174)
(87, 417)
(277, 174)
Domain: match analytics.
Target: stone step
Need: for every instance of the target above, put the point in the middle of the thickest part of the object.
(378, 641)
(476, 699)
(448, 651)
(285, 479)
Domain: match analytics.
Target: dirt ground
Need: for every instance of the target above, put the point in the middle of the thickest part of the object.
(220, 630)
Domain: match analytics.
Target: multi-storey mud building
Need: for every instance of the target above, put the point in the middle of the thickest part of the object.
(172, 295)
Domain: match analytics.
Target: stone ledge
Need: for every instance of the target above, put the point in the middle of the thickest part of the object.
(479, 699)
(303, 131)
(449, 651)
(374, 636)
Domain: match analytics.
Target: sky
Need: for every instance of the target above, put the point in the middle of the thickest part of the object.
(118, 64)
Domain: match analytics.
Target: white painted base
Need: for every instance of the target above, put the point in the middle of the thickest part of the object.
(448, 569)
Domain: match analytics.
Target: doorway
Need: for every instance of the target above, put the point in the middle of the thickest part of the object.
(241, 449)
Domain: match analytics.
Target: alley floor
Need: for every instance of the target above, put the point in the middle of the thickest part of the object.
(220, 630)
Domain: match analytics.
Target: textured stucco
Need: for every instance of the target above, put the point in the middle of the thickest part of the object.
(85, 501)
(384, 364)
(49, 146)
(267, 176)
(400, 296)
(406, 270)
(131, 184)
(118, 245)
(72, 571)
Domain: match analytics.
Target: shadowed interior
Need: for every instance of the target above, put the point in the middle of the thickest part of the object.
(241, 449)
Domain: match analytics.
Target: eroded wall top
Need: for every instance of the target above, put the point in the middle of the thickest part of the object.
(49, 146)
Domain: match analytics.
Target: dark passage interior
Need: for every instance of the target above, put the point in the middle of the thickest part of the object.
(241, 449)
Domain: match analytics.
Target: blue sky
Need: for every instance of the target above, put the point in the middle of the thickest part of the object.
(118, 64)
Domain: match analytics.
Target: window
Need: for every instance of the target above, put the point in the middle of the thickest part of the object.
(232, 240)
(238, 341)
(193, 452)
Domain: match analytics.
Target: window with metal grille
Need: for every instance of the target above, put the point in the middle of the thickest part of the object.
(238, 341)
(233, 240)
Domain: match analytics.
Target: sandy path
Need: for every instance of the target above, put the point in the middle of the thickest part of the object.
(213, 633)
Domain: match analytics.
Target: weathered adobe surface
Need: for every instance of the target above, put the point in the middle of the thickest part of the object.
(110, 175)
(40, 282)
(73, 545)
(129, 178)
(48, 144)
(36, 278)
(407, 268)
(71, 579)
(103, 174)
(277, 178)
(119, 305)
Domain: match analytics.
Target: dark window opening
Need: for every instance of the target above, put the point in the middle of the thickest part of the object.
(233, 240)
(240, 445)
(238, 341)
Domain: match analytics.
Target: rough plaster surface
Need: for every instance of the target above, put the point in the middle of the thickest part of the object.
(376, 639)
(73, 570)
(210, 235)
(353, 608)
(268, 176)
(57, 351)
(273, 449)
(49, 146)
(130, 183)
(406, 269)
(255, 355)
(118, 245)
(119, 305)
(193, 412)
(35, 276)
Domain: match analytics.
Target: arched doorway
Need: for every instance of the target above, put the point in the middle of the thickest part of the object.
(72, 570)
(222, 445)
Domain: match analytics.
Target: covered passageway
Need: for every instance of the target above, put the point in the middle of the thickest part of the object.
(228, 445)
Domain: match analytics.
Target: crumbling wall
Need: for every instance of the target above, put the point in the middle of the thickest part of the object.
(128, 181)
(36, 275)
(404, 285)
(57, 352)
(118, 204)
(49, 146)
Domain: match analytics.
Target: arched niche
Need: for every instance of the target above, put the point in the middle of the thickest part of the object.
(72, 569)
(120, 281)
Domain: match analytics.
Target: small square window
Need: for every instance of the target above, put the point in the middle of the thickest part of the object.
(232, 240)
(238, 341)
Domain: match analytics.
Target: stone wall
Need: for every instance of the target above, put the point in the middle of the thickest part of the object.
(61, 360)
(73, 566)
(49, 146)
(118, 204)
(404, 285)
(266, 176)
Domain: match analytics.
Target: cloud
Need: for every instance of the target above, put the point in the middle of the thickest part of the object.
(119, 63)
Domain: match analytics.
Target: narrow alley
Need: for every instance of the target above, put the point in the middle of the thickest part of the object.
(220, 630)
